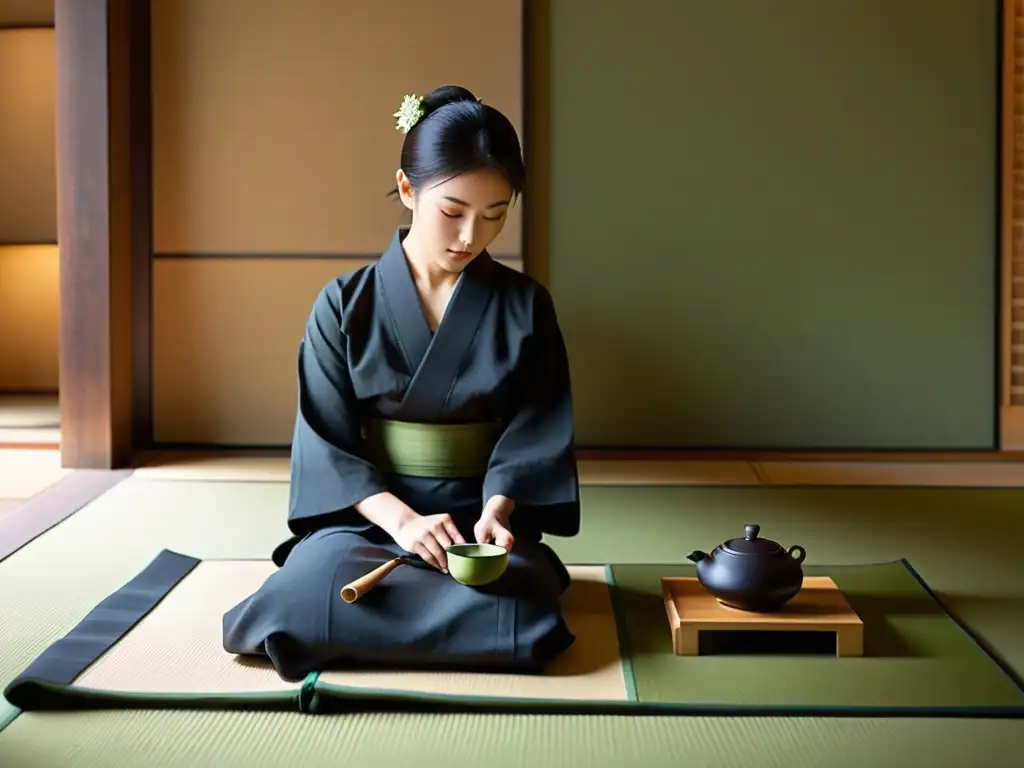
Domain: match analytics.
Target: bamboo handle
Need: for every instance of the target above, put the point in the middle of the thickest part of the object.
(356, 589)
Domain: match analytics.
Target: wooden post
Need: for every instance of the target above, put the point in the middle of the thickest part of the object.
(103, 225)
(1011, 411)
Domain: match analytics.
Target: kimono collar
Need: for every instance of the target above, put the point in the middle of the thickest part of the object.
(425, 351)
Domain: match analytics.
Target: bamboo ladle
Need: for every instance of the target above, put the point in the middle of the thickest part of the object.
(470, 564)
(356, 589)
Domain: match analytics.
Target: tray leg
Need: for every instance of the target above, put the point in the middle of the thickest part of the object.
(850, 641)
(685, 642)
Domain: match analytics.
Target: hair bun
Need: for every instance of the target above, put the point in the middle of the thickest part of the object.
(449, 132)
(446, 94)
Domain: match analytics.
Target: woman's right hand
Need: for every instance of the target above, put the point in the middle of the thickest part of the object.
(427, 536)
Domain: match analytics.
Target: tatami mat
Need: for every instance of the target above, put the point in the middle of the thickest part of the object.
(274, 467)
(591, 669)
(49, 585)
(224, 467)
(947, 533)
(138, 739)
(92, 553)
(271, 468)
(177, 647)
(24, 473)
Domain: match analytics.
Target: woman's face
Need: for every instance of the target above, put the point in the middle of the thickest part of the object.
(454, 221)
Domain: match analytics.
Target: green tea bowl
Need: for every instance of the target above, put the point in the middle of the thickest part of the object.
(476, 564)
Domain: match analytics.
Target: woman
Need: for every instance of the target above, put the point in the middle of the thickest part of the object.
(434, 345)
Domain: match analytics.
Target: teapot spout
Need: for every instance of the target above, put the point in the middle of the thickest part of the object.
(696, 556)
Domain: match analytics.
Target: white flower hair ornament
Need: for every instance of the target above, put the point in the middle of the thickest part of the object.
(410, 113)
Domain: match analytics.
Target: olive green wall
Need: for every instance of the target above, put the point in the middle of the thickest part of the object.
(774, 224)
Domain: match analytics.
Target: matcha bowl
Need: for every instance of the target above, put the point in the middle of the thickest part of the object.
(476, 564)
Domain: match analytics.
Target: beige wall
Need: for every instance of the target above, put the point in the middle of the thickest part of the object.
(225, 335)
(273, 134)
(29, 318)
(28, 182)
(29, 274)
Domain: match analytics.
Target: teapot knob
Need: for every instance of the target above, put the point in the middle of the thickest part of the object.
(751, 531)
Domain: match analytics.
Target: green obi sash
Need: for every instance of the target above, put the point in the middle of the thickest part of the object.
(431, 450)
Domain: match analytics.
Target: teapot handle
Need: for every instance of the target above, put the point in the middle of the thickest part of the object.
(797, 552)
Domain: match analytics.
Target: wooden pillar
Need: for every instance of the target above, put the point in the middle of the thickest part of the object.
(1011, 436)
(103, 225)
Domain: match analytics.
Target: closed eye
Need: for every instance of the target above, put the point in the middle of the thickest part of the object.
(459, 216)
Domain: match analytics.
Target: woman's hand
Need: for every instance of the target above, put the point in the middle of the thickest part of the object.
(428, 536)
(493, 526)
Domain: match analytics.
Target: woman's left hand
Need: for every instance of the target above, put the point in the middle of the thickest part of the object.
(493, 525)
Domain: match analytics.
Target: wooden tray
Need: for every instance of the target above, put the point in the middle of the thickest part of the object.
(819, 606)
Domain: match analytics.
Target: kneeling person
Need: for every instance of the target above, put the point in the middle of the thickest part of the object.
(434, 408)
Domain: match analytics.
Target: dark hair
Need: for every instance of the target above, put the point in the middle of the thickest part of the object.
(456, 134)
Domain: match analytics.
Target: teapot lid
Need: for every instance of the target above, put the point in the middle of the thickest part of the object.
(750, 544)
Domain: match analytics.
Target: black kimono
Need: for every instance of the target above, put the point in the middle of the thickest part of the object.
(368, 352)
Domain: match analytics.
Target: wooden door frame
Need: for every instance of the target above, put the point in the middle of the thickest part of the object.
(104, 215)
(1011, 402)
(105, 191)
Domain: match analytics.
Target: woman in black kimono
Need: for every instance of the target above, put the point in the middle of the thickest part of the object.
(435, 337)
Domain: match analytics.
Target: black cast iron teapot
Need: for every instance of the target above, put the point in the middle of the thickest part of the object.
(751, 574)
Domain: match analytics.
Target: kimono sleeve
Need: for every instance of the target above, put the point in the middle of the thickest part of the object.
(534, 461)
(329, 472)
